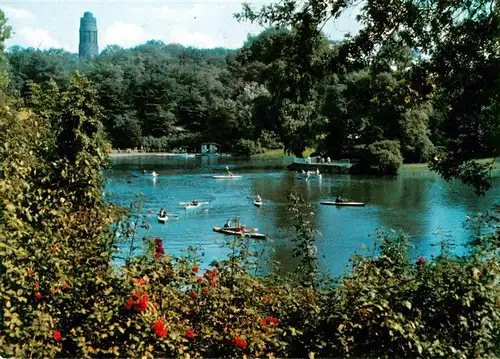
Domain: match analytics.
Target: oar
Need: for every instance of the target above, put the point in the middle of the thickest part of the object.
(172, 214)
(188, 203)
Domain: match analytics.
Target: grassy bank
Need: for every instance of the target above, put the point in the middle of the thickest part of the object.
(279, 152)
(424, 168)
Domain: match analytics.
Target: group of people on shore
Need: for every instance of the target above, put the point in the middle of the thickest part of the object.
(319, 160)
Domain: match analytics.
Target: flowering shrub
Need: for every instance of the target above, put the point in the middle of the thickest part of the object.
(61, 296)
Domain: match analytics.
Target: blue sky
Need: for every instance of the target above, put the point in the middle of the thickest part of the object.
(207, 24)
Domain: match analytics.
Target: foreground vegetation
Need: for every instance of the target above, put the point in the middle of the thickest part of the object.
(61, 296)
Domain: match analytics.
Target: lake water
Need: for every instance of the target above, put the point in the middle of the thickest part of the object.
(420, 204)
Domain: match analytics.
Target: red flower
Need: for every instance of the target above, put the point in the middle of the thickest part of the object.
(421, 262)
(37, 286)
(38, 295)
(239, 343)
(64, 286)
(159, 251)
(195, 269)
(141, 303)
(266, 299)
(159, 328)
(139, 281)
(57, 335)
(194, 295)
(129, 304)
(269, 320)
(206, 291)
(200, 280)
(189, 334)
(53, 291)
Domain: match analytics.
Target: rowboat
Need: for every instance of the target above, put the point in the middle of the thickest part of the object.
(257, 203)
(352, 204)
(226, 176)
(162, 219)
(189, 205)
(247, 233)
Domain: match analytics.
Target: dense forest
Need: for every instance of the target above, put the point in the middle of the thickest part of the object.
(390, 105)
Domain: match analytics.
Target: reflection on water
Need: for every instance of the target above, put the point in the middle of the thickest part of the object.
(418, 204)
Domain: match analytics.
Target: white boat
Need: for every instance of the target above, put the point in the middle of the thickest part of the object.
(257, 203)
(226, 176)
(352, 204)
(189, 205)
(162, 219)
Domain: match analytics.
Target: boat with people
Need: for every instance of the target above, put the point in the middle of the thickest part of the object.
(339, 201)
(340, 204)
(162, 216)
(226, 177)
(192, 204)
(229, 175)
(162, 219)
(240, 231)
(258, 201)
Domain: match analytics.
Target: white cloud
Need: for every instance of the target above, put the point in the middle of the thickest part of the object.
(125, 35)
(38, 38)
(18, 14)
(185, 37)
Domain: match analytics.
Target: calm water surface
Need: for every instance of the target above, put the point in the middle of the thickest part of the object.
(420, 204)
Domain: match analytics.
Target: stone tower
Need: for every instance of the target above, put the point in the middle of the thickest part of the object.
(88, 36)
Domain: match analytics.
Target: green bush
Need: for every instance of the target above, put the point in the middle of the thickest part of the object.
(155, 144)
(380, 158)
(270, 140)
(246, 147)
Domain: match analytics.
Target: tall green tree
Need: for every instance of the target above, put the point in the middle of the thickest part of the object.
(5, 31)
(279, 59)
(460, 43)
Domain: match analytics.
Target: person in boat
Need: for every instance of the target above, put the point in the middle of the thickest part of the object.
(339, 199)
(227, 224)
(229, 172)
(144, 172)
(195, 202)
(258, 198)
(162, 212)
(317, 171)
